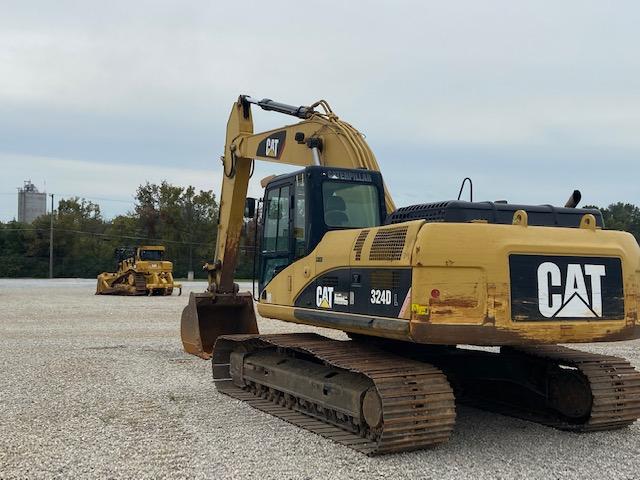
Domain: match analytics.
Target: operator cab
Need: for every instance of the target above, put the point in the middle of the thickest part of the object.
(151, 254)
(300, 207)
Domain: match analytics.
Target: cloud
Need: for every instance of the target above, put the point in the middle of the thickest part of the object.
(111, 186)
(495, 89)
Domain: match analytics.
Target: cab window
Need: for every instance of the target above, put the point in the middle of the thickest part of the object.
(350, 205)
(276, 226)
(299, 214)
(151, 255)
(276, 232)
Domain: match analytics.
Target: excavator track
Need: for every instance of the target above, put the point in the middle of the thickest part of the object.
(548, 384)
(417, 405)
(614, 385)
(552, 385)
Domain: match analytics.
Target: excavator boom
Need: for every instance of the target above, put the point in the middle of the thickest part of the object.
(320, 138)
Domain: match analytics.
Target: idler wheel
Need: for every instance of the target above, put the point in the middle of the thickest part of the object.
(372, 408)
(569, 393)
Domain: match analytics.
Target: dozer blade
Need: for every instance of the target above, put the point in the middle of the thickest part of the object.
(207, 316)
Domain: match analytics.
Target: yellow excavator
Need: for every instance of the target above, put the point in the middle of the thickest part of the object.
(416, 289)
(140, 271)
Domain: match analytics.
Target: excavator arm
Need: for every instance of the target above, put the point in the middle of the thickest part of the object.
(319, 138)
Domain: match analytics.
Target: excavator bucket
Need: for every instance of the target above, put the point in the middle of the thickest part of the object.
(207, 316)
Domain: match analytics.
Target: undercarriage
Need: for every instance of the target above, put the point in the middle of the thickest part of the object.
(362, 397)
(379, 396)
(549, 384)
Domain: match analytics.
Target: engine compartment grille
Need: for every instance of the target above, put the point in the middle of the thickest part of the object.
(388, 244)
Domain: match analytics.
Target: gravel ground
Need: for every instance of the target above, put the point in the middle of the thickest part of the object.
(98, 387)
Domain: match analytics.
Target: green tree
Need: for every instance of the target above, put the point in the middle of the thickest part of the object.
(18, 257)
(184, 219)
(79, 248)
(621, 216)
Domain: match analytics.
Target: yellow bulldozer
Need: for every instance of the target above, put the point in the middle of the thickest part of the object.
(413, 288)
(140, 271)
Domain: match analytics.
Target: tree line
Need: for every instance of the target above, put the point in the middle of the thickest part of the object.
(621, 216)
(182, 219)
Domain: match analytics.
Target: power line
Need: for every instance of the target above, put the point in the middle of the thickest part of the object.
(115, 236)
(105, 235)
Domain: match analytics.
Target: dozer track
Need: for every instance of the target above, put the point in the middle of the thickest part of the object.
(140, 284)
(370, 400)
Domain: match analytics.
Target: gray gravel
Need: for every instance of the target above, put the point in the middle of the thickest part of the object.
(95, 387)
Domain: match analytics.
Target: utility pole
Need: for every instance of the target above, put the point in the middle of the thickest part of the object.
(190, 271)
(51, 242)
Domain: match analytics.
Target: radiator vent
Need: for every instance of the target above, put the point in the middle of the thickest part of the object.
(388, 244)
(360, 243)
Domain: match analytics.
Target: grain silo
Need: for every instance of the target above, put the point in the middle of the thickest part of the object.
(31, 203)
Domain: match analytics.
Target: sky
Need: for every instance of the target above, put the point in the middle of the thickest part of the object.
(530, 99)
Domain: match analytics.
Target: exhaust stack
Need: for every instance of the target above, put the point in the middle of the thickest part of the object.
(574, 199)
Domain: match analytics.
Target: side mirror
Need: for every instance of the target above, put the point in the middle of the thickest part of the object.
(249, 207)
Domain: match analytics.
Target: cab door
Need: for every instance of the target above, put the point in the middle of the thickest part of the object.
(277, 238)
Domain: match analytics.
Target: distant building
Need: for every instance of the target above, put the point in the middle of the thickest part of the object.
(31, 203)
